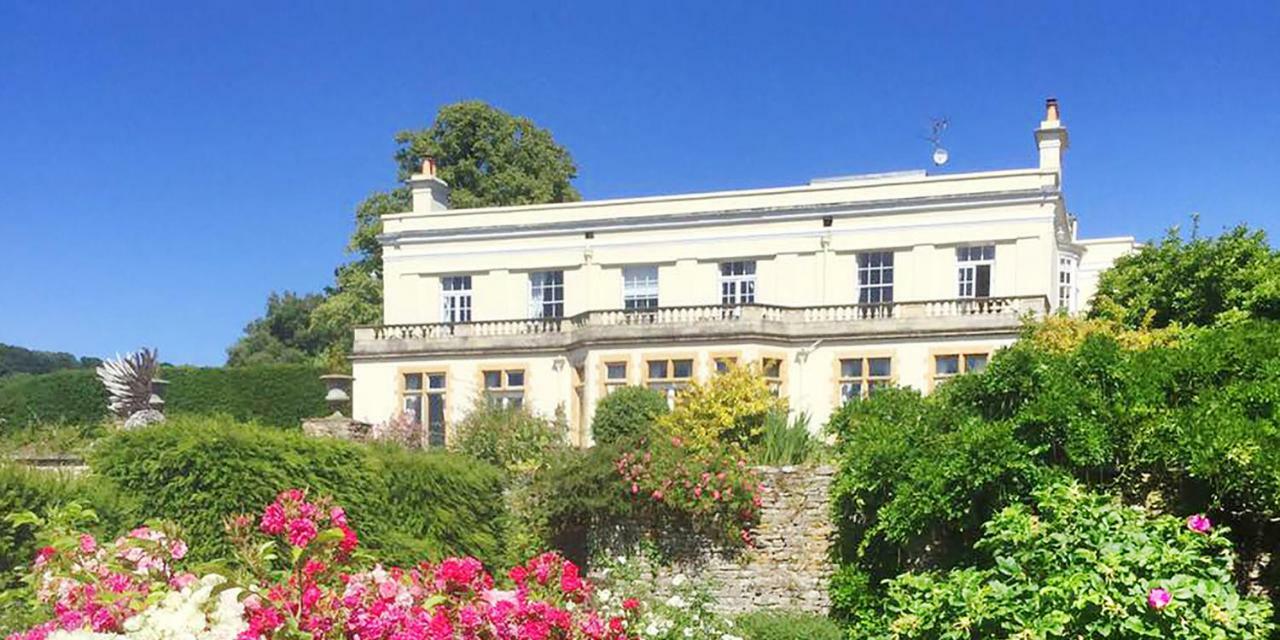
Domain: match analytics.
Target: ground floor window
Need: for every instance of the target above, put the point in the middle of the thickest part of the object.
(424, 401)
(668, 375)
(615, 376)
(724, 363)
(504, 387)
(861, 377)
(771, 369)
(950, 365)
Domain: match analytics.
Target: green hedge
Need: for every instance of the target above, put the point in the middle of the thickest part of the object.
(785, 625)
(406, 506)
(73, 396)
(279, 395)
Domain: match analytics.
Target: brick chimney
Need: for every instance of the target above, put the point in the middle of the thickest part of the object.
(430, 193)
(1051, 137)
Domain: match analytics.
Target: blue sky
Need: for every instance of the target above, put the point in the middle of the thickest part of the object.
(164, 166)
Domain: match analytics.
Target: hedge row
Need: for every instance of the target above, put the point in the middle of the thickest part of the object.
(277, 395)
(407, 506)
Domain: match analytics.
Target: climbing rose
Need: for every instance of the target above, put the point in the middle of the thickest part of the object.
(1158, 598)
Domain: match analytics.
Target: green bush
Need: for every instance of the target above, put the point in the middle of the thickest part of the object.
(1079, 565)
(276, 395)
(783, 625)
(279, 395)
(71, 396)
(23, 489)
(627, 412)
(509, 437)
(195, 471)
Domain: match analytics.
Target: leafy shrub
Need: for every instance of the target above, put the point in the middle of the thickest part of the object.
(1080, 565)
(191, 470)
(23, 489)
(71, 396)
(628, 412)
(784, 442)
(711, 487)
(782, 625)
(577, 490)
(729, 409)
(509, 437)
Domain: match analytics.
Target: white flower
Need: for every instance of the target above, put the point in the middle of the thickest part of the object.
(678, 580)
(676, 602)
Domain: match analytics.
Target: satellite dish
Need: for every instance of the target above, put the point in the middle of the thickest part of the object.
(940, 156)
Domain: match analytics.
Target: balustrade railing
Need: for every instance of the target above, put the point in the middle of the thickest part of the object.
(1003, 306)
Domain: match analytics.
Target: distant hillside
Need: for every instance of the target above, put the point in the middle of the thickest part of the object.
(19, 360)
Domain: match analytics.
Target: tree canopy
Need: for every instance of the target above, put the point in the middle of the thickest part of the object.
(487, 156)
(1193, 282)
(14, 360)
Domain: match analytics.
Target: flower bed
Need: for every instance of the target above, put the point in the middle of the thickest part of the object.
(298, 574)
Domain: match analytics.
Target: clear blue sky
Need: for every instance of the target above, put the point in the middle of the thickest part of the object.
(164, 166)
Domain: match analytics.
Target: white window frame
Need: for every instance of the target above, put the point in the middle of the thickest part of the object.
(455, 299)
(738, 282)
(1068, 291)
(878, 266)
(969, 260)
(432, 390)
(546, 294)
(640, 287)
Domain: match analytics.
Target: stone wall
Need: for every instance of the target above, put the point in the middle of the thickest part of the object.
(787, 568)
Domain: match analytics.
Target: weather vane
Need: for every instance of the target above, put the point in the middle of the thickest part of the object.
(940, 154)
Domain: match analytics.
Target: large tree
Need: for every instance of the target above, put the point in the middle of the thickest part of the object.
(1198, 281)
(488, 157)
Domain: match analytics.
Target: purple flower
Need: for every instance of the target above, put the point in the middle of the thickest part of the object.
(1158, 598)
(1199, 523)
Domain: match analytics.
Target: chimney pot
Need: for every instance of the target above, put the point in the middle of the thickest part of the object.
(428, 166)
(1051, 109)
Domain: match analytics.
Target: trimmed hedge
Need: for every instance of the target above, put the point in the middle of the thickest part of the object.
(280, 395)
(786, 625)
(72, 396)
(407, 506)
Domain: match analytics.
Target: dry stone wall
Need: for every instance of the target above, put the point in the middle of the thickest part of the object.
(787, 568)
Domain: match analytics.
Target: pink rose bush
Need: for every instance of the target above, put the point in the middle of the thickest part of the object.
(299, 579)
(718, 491)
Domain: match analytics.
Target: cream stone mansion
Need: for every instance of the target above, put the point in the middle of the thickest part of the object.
(833, 289)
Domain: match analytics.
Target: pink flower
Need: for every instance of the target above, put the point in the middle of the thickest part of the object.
(630, 604)
(1199, 523)
(182, 581)
(657, 495)
(338, 517)
(1158, 598)
(88, 544)
(43, 555)
(178, 550)
(635, 488)
(301, 532)
(273, 519)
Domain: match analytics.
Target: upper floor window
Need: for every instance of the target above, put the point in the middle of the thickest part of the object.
(875, 277)
(1066, 284)
(640, 287)
(546, 294)
(505, 387)
(975, 265)
(738, 282)
(455, 299)
(860, 377)
(423, 396)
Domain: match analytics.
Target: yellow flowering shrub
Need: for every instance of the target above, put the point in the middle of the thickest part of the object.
(728, 409)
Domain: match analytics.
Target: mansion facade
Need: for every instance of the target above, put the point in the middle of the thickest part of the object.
(832, 289)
